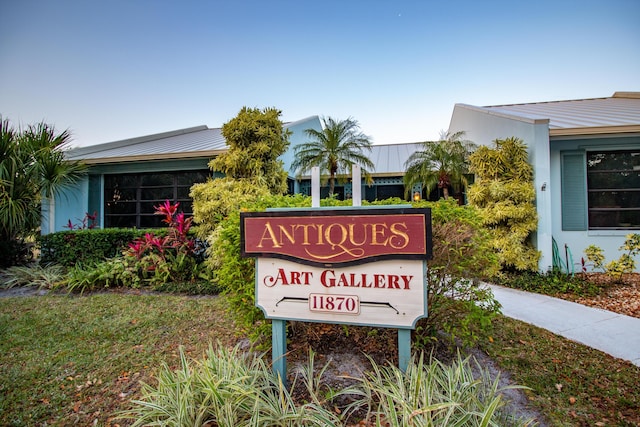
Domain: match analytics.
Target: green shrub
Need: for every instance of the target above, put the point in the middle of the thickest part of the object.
(623, 265)
(435, 394)
(42, 277)
(550, 283)
(86, 246)
(227, 388)
(457, 303)
(231, 388)
(504, 194)
(172, 256)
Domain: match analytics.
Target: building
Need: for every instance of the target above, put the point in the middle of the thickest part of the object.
(586, 159)
(128, 178)
(585, 154)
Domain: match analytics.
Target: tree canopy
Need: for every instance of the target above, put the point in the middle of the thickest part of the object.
(442, 164)
(32, 164)
(334, 150)
(505, 195)
(256, 138)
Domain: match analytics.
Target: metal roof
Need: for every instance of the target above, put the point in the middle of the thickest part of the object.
(618, 113)
(190, 142)
(390, 158)
(194, 142)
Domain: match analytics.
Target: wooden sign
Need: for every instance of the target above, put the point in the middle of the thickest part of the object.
(343, 237)
(350, 266)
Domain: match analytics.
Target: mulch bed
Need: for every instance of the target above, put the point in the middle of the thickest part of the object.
(621, 296)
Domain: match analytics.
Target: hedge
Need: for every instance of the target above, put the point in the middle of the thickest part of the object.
(87, 246)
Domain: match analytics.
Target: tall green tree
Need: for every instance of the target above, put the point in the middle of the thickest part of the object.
(335, 150)
(442, 164)
(32, 165)
(505, 196)
(256, 138)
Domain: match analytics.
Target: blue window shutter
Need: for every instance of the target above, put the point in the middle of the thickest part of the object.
(95, 194)
(574, 191)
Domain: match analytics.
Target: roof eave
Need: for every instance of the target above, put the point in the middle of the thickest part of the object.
(594, 130)
(149, 157)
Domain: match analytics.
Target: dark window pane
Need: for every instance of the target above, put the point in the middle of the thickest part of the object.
(135, 196)
(183, 192)
(119, 194)
(338, 191)
(613, 180)
(120, 208)
(613, 160)
(120, 221)
(154, 221)
(388, 191)
(157, 179)
(162, 193)
(149, 207)
(190, 178)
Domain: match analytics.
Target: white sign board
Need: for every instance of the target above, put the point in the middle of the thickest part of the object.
(387, 293)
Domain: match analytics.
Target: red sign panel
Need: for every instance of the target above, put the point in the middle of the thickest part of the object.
(338, 237)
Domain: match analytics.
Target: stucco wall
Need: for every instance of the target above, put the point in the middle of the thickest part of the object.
(71, 204)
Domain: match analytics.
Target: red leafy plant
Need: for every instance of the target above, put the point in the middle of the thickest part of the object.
(89, 222)
(169, 258)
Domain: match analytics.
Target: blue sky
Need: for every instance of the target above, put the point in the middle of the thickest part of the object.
(120, 69)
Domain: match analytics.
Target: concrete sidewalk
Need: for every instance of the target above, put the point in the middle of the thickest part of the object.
(611, 333)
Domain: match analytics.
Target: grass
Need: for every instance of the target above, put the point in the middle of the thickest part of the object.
(71, 360)
(571, 384)
(76, 360)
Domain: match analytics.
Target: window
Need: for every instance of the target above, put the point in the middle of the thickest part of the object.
(613, 189)
(130, 199)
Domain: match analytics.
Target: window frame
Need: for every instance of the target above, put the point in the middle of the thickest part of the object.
(604, 211)
(141, 214)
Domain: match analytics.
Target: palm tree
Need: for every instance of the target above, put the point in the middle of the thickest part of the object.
(335, 149)
(32, 165)
(441, 164)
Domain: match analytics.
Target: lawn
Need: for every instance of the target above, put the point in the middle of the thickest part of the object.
(68, 360)
(78, 360)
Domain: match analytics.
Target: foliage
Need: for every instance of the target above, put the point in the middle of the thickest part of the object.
(89, 222)
(235, 275)
(42, 277)
(215, 200)
(442, 164)
(457, 303)
(335, 150)
(229, 388)
(85, 246)
(32, 165)
(624, 264)
(149, 261)
(505, 195)
(89, 354)
(553, 282)
(256, 138)
(595, 255)
(435, 394)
